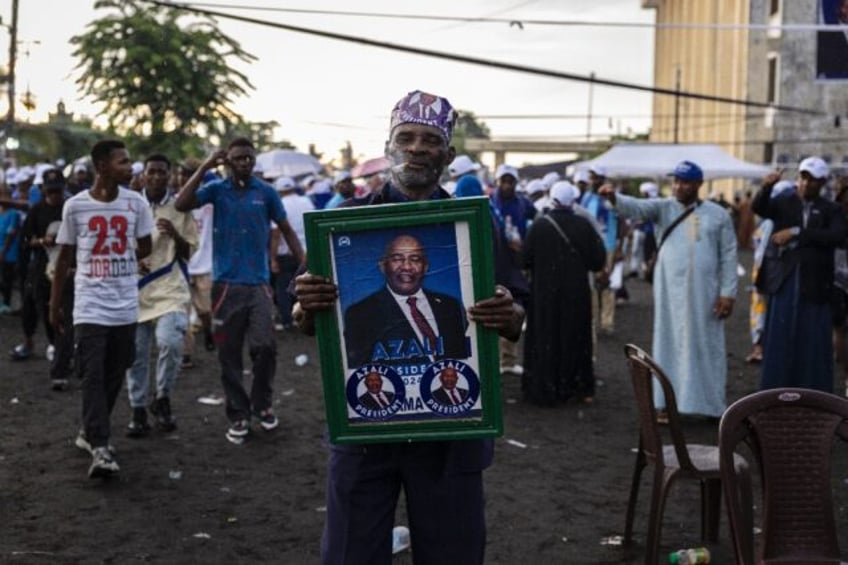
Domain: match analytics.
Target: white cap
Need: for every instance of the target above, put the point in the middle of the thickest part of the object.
(649, 189)
(80, 167)
(305, 181)
(550, 178)
(283, 184)
(506, 170)
(598, 169)
(536, 186)
(137, 168)
(815, 166)
(782, 186)
(461, 165)
(564, 193)
(341, 176)
(581, 176)
(321, 187)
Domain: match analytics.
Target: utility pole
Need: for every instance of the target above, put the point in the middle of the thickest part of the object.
(589, 113)
(677, 105)
(13, 55)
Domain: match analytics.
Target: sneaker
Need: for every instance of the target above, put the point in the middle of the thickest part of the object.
(268, 420)
(138, 426)
(161, 409)
(59, 384)
(103, 465)
(278, 327)
(238, 431)
(50, 352)
(81, 441)
(208, 341)
(20, 353)
(514, 369)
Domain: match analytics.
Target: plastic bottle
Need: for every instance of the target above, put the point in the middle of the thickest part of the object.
(693, 556)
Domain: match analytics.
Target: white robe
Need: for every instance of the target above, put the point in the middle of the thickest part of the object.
(696, 265)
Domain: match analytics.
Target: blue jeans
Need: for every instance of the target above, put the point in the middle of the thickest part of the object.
(169, 331)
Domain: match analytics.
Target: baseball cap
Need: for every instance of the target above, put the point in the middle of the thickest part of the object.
(815, 166)
(581, 176)
(461, 165)
(687, 170)
(550, 178)
(598, 169)
(564, 193)
(535, 186)
(782, 186)
(53, 179)
(649, 189)
(284, 184)
(341, 176)
(80, 167)
(321, 187)
(506, 170)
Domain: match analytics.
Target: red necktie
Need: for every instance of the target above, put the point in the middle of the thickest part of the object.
(420, 321)
(454, 395)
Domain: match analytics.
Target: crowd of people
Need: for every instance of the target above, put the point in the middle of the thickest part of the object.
(120, 260)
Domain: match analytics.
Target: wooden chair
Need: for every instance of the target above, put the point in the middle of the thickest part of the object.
(678, 460)
(790, 432)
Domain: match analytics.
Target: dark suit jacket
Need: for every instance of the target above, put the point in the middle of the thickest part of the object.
(832, 55)
(368, 401)
(440, 395)
(812, 249)
(378, 319)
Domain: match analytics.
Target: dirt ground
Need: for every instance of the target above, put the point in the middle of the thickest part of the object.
(555, 496)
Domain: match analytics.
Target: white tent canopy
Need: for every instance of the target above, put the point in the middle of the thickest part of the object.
(659, 159)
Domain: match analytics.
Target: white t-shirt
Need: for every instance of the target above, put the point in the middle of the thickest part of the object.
(105, 233)
(201, 262)
(296, 206)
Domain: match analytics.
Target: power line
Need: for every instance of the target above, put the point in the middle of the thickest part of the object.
(521, 22)
(488, 62)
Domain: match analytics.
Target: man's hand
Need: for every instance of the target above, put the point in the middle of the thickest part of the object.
(723, 307)
(314, 292)
(275, 265)
(602, 279)
(608, 192)
(48, 241)
(772, 178)
(165, 226)
(214, 159)
(499, 312)
(782, 237)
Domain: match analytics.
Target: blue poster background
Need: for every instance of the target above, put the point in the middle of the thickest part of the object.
(357, 256)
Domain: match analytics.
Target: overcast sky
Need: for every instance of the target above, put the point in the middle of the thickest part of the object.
(329, 92)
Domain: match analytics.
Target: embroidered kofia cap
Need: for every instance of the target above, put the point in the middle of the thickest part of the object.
(687, 170)
(426, 109)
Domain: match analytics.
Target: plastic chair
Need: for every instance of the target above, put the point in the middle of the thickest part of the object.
(678, 460)
(790, 432)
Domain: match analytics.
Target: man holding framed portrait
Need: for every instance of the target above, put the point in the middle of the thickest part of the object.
(442, 479)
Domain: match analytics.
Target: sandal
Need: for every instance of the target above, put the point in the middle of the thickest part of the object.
(20, 353)
(754, 358)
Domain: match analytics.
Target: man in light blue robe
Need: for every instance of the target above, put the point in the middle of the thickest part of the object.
(694, 289)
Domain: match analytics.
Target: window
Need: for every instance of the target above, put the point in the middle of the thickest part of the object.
(774, 7)
(768, 153)
(772, 88)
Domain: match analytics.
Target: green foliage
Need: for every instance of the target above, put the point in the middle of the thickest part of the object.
(163, 78)
(468, 126)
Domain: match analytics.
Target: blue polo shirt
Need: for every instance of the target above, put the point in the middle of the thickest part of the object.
(241, 229)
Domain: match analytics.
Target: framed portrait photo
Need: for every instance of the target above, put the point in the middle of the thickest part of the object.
(400, 360)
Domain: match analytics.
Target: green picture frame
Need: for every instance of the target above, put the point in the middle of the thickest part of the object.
(376, 255)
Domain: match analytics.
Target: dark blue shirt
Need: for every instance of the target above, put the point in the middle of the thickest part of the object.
(241, 228)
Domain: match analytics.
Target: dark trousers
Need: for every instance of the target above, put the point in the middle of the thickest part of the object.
(446, 511)
(36, 302)
(288, 267)
(239, 313)
(103, 355)
(60, 368)
(7, 281)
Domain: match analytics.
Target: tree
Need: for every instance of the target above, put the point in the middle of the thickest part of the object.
(166, 81)
(467, 126)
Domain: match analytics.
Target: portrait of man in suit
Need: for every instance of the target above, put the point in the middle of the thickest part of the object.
(403, 322)
(375, 397)
(832, 58)
(449, 393)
